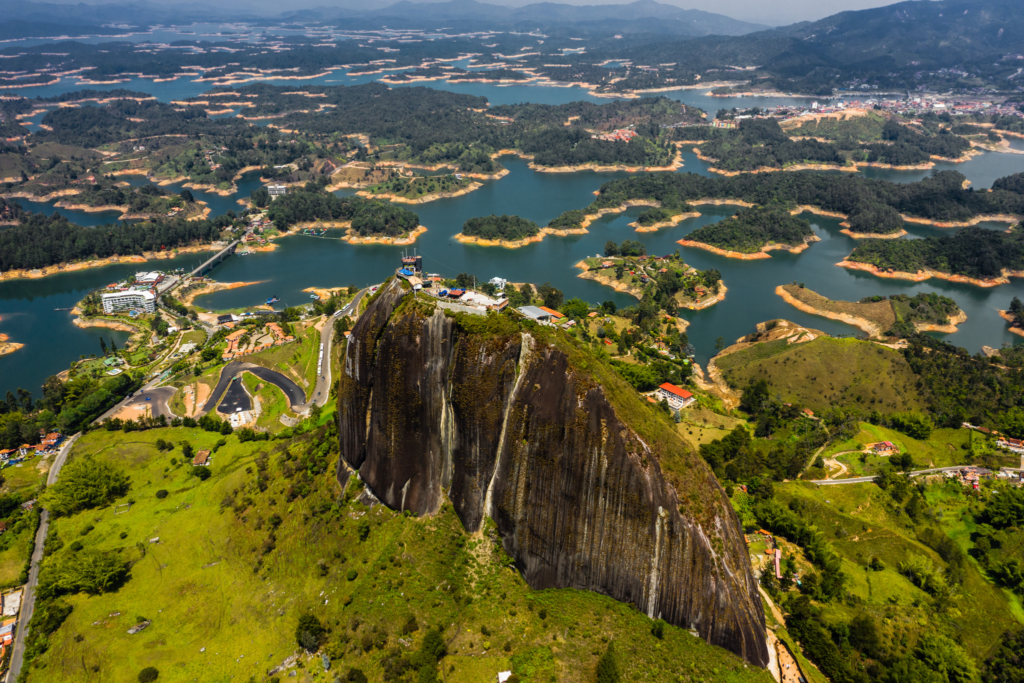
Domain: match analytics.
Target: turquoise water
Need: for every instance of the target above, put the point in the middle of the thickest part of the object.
(26, 307)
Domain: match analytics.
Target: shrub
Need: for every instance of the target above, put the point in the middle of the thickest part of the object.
(84, 484)
(355, 676)
(76, 546)
(352, 574)
(364, 529)
(309, 632)
(658, 629)
(161, 494)
(203, 473)
(148, 675)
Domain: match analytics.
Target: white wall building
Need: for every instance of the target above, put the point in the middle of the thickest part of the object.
(117, 301)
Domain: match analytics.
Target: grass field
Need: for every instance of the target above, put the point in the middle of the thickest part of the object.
(26, 480)
(224, 589)
(857, 129)
(700, 425)
(827, 372)
(862, 523)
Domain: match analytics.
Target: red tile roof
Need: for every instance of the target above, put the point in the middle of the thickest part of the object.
(678, 391)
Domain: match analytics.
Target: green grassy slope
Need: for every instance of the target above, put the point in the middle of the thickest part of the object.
(221, 579)
(827, 372)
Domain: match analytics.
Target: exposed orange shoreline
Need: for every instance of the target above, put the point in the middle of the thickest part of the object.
(762, 253)
(922, 275)
(1010, 318)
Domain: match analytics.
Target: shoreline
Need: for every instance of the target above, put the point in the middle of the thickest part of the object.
(1008, 317)
(708, 303)
(7, 346)
(863, 324)
(761, 253)
(618, 286)
(36, 273)
(507, 244)
(352, 238)
(399, 199)
(946, 329)
(670, 223)
(922, 275)
(993, 218)
(210, 287)
(102, 322)
(872, 236)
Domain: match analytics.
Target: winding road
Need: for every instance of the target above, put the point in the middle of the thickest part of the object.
(28, 602)
(322, 389)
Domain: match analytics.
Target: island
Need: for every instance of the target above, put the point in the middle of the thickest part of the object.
(510, 232)
(753, 232)
(899, 315)
(420, 189)
(976, 256)
(878, 221)
(366, 221)
(666, 279)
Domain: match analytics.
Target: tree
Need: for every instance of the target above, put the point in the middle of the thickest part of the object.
(720, 344)
(552, 297)
(103, 345)
(1011, 422)
(84, 484)
(576, 308)
(611, 249)
(464, 280)
(309, 633)
(526, 291)
(186, 194)
(608, 666)
(150, 673)
(201, 473)
(608, 308)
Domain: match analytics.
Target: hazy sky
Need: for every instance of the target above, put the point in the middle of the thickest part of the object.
(771, 12)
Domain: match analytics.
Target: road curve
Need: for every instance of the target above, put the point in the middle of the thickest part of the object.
(28, 601)
(296, 397)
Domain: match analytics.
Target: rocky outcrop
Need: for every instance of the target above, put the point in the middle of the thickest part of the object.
(588, 487)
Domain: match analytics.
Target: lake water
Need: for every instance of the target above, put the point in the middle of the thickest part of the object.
(52, 342)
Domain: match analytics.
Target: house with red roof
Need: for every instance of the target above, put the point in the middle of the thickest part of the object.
(677, 397)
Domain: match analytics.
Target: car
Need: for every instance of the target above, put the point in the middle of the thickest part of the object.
(149, 398)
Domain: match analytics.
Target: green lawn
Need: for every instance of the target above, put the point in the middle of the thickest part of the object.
(224, 600)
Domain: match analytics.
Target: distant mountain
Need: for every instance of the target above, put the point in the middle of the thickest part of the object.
(470, 13)
(947, 31)
(888, 45)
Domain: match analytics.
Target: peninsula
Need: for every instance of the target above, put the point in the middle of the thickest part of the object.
(899, 315)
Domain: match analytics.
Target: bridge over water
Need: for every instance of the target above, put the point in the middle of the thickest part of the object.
(214, 260)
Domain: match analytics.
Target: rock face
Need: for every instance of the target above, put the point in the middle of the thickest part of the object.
(518, 425)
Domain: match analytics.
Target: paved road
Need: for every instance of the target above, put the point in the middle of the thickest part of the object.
(322, 390)
(295, 395)
(156, 398)
(917, 473)
(28, 602)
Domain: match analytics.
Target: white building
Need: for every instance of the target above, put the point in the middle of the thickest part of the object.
(499, 282)
(277, 190)
(139, 300)
(148, 278)
(677, 397)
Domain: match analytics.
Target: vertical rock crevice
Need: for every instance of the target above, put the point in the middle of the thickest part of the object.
(512, 429)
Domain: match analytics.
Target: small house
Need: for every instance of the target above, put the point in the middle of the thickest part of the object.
(202, 459)
(883, 448)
